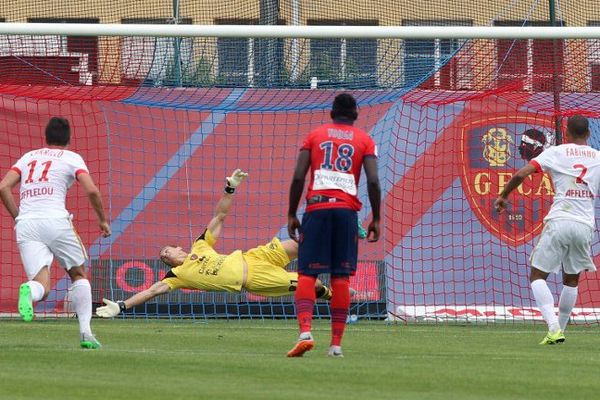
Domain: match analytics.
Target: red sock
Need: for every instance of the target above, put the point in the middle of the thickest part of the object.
(305, 301)
(339, 305)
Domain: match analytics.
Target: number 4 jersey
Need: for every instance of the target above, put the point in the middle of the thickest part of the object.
(337, 152)
(46, 176)
(575, 172)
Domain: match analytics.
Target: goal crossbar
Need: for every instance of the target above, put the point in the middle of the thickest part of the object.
(304, 31)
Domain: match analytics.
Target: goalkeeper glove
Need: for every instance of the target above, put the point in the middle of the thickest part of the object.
(111, 309)
(234, 180)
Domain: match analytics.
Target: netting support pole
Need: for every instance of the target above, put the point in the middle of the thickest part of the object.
(176, 47)
(556, 79)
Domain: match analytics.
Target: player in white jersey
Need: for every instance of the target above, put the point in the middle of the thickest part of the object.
(568, 228)
(43, 225)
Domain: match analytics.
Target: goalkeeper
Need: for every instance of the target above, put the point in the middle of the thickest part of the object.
(260, 270)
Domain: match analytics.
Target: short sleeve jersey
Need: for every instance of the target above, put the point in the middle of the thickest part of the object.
(337, 152)
(205, 269)
(575, 172)
(46, 176)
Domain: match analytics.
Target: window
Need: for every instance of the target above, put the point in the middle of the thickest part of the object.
(154, 59)
(248, 61)
(349, 61)
(435, 57)
(529, 63)
(50, 59)
(594, 60)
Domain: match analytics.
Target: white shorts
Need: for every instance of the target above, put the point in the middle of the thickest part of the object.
(566, 243)
(40, 240)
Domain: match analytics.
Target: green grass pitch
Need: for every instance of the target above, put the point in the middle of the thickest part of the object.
(218, 359)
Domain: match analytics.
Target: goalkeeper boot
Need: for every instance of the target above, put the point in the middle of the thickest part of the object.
(553, 338)
(305, 343)
(25, 303)
(89, 341)
(335, 352)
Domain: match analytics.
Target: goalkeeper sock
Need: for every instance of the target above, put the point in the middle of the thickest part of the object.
(567, 300)
(340, 303)
(545, 302)
(37, 290)
(305, 301)
(81, 296)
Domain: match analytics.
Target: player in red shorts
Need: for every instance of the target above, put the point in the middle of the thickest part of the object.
(328, 236)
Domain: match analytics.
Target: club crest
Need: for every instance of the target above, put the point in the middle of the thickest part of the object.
(490, 156)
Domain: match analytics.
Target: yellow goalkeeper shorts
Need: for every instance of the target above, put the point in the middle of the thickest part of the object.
(266, 271)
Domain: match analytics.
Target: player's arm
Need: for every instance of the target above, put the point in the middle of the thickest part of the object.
(95, 198)
(374, 191)
(9, 181)
(215, 226)
(296, 189)
(114, 308)
(515, 181)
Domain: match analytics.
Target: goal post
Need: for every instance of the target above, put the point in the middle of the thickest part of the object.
(162, 112)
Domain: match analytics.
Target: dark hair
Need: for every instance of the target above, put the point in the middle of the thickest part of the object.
(532, 144)
(344, 106)
(58, 132)
(578, 126)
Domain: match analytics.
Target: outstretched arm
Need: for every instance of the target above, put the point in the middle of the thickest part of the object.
(112, 308)
(215, 226)
(515, 181)
(9, 181)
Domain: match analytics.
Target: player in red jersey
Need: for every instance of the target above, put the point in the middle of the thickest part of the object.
(328, 240)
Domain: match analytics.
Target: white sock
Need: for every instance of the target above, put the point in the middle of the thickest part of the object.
(37, 290)
(81, 297)
(545, 302)
(305, 336)
(566, 302)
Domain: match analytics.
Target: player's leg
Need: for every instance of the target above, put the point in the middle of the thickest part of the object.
(577, 260)
(71, 254)
(344, 260)
(36, 258)
(546, 258)
(313, 258)
(81, 298)
(567, 299)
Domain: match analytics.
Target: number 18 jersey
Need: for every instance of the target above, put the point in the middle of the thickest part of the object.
(575, 172)
(337, 152)
(46, 176)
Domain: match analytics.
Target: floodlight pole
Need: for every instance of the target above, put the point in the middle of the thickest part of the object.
(556, 83)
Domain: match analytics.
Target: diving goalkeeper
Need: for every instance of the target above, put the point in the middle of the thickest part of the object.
(260, 270)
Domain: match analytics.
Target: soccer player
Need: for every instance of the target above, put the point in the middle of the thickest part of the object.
(43, 225)
(568, 228)
(260, 270)
(328, 238)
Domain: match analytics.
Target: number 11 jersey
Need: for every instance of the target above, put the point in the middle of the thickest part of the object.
(46, 176)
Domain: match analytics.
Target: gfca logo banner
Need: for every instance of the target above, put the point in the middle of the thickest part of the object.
(490, 157)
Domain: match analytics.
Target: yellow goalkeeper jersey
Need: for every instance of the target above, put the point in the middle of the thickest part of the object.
(205, 269)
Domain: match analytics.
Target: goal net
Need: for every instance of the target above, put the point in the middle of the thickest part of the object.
(162, 120)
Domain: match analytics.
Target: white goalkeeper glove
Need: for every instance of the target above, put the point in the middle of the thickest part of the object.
(111, 309)
(234, 180)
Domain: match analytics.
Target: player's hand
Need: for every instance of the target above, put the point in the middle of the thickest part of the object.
(236, 178)
(500, 204)
(105, 228)
(293, 226)
(373, 231)
(111, 309)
